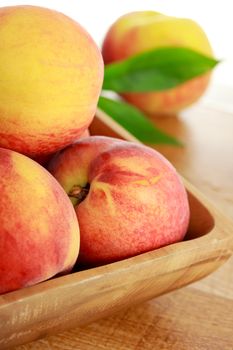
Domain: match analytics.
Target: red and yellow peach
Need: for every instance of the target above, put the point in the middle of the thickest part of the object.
(141, 31)
(39, 232)
(128, 198)
(51, 76)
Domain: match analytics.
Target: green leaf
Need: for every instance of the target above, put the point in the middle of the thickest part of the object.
(156, 70)
(134, 121)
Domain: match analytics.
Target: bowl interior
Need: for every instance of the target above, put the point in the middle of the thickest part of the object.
(201, 220)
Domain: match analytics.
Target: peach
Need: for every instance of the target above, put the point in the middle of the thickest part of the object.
(39, 232)
(142, 31)
(51, 77)
(128, 198)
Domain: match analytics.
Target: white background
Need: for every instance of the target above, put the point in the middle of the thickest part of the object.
(96, 16)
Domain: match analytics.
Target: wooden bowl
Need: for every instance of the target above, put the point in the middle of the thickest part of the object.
(85, 296)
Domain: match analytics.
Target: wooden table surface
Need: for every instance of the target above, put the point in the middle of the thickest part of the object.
(199, 316)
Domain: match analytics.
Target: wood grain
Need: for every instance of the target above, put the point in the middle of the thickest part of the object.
(197, 317)
(163, 323)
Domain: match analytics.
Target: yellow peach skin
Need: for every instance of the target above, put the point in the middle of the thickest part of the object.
(136, 32)
(128, 198)
(39, 231)
(51, 76)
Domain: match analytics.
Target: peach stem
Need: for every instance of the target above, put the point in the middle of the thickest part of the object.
(79, 192)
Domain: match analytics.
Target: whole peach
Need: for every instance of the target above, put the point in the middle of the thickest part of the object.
(137, 32)
(128, 198)
(39, 232)
(51, 76)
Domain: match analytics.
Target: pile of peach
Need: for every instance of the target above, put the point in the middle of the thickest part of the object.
(100, 199)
